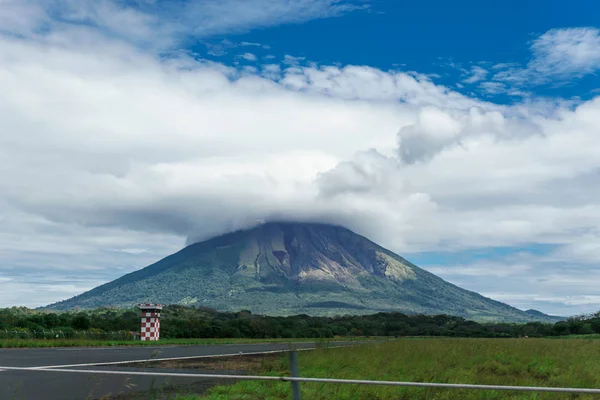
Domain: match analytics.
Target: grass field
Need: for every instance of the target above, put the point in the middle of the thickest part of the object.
(587, 337)
(522, 362)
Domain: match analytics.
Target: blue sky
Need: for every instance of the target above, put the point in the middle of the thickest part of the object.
(448, 39)
(462, 135)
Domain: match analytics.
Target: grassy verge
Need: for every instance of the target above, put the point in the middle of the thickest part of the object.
(523, 362)
(36, 343)
(587, 337)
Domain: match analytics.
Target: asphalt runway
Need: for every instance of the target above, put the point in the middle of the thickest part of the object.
(33, 384)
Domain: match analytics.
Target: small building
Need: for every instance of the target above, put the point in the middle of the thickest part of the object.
(150, 329)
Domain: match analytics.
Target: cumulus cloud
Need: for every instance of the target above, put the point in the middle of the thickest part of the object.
(210, 144)
(112, 156)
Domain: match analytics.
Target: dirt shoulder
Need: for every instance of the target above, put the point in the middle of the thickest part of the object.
(246, 363)
(234, 365)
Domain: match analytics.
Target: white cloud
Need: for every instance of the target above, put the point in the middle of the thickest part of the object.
(365, 83)
(572, 51)
(585, 250)
(529, 281)
(161, 24)
(248, 57)
(291, 60)
(264, 46)
(492, 87)
(32, 295)
(220, 48)
(477, 74)
(271, 71)
(224, 46)
(134, 251)
(488, 269)
(19, 16)
(218, 16)
(504, 65)
(558, 56)
(432, 131)
(555, 305)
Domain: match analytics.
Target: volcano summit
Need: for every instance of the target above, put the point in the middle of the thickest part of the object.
(295, 268)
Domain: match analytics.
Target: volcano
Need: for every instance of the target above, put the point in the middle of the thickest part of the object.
(295, 268)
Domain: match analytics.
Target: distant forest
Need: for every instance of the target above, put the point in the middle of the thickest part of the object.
(192, 322)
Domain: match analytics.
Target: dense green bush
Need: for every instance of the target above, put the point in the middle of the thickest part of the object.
(201, 322)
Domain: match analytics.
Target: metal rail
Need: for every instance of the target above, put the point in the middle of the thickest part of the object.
(317, 380)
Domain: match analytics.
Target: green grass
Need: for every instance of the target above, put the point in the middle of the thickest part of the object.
(36, 343)
(588, 336)
(522, 362)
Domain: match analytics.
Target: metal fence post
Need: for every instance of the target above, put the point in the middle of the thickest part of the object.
(295, 374)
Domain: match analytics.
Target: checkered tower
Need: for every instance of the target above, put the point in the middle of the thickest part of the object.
(150, 329)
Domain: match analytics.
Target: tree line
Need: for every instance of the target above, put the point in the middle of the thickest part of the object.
(200, 322)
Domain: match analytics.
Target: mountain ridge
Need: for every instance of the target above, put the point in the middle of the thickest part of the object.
(283, 268)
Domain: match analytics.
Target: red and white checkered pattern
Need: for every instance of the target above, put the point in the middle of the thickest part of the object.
(150, 329)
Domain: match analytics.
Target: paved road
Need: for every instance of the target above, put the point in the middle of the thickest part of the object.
(40, 385)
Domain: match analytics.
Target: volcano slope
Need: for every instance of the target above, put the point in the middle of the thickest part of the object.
(295, 268)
